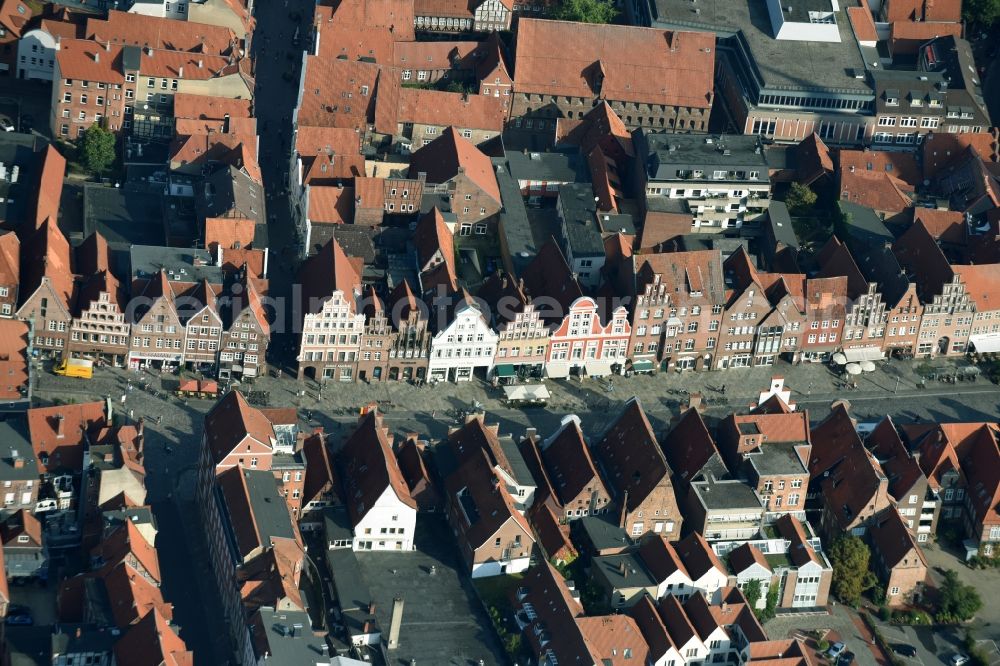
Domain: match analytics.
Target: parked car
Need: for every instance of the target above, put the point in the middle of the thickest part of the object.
(835, 650)
(904, 649)
(6, 125)
(19, 620)
(845, 659)
(959, 659)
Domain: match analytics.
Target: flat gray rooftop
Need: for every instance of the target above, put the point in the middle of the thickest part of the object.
(443, 621)
(782, 64)
(124, 216)
(190, 264)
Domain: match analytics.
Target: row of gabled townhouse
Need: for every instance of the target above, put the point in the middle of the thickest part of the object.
(161, 318)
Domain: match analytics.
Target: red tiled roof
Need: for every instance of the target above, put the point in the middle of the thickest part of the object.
(124, 28)
(892, 540)
(132, 596)
(743, 557)
(14, 14)
(615, 639)
(835, 260)
(60, 29)
(443, 158)
(124, 542)
(940, 149)
(905, 37)
(799, 550)
(397, 15)
(327, 271)
(431, 236)
(658, 67)
(436, 55)
(923, 10)
(947, 226)
(325, 89)
(878, 179)
(697, 556)
(76, 58)
(13, 359)
(228, 232)
(319, 468)
(50, 185)
(448, 109)
(369, 468)
(331, 205)
(550, 276)
(919, 253)
(354, 42)
(982, 284)
(660, 557)
(863, 24)
(207, 107)
(569, 464)
(152, 642)
(230, 421)
(341, 143)
(65, 450)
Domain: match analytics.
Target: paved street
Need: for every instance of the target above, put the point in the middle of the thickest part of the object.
(987, 581)
(841, 624)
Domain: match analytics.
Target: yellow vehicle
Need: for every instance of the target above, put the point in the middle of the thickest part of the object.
(75, 367)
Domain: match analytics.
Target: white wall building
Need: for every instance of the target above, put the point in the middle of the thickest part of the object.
(171, 9)
(36, 54)
(465, 345)
(387, 525)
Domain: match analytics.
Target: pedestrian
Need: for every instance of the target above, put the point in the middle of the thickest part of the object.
(723, 389)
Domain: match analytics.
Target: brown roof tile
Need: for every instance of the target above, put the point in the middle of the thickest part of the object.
(863, 24)
(923, 10)
(660, 557)
(568, 462)
(57, 433)
(10, 258)
(331, 204)
(325, 272)
(443, 158)
(431, 236)
(394, 14)
(615, 639)
(549, 277)
(353, 42)
(131, 596)
(207, 107)
(228, 232)
(905, 37)
(659, 67)
(448, 109)
(124, 28)
(14, 15)
(369, 468)
(697, 556)
(230, 421)
(50, 184)
(941, 149)
(13, 359)
(892, 540)
(637, 467)
(325, 89)
(743, 557)
(152, 642)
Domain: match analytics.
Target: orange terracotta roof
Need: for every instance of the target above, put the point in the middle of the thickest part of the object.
(946, 226)
(327, 271)
(143, 30)
(863, 24)
(207, 107)
(10, 258)
(331, 205)
(229, 232)
(902, 166)
(923, 10)
(76, 58)
(311, 141)
(14, 15)
(905, 37)
(397, 15)
(982, 284)
(13, 359)
(325, 89)
(432, 235)
(616, 639)
(447, 109)
(354, 42)
(45, 256)
(940, 149)
(50, 185)
(184, 65)
(243, 127)
(442, 159)
(435, 55)
(658, 67)
(152, 642)
(60, 29)
(131, 596)
(230, 421)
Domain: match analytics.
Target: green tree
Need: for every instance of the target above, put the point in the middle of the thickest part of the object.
(752, 591)
(851, 575)
(958, 602)
(97, 149)
(585, 11)
(800, 199)
(983, 13)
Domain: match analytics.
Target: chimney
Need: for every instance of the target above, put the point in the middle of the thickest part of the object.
(201, 64)
(371, 608)
(107, 46)
(79, 632)
(60, 426)
(180, 72)
(18, 463)
(622, 569)
(366, 628)
(396, 622)
(97, 56)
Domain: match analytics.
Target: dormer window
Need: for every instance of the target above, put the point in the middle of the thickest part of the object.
(892, 101)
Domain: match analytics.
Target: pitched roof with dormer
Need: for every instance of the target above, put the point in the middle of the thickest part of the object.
(449, 155)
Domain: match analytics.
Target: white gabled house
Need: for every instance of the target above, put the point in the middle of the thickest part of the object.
(464, 342)
(383, 514)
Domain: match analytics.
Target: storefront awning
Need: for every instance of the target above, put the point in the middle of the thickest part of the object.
(986, 343)
(642, 366)
(505, 370)
(535, 392)
(863, 354)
